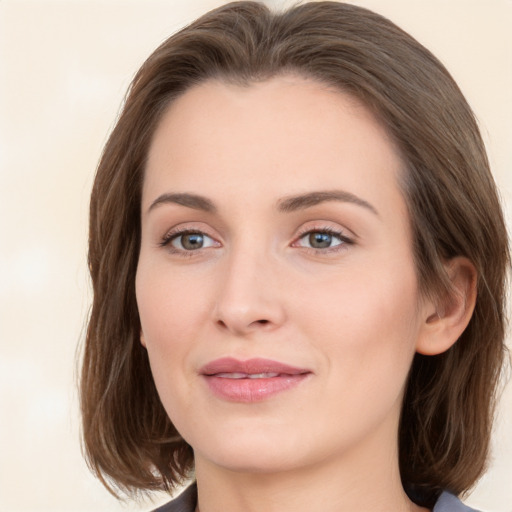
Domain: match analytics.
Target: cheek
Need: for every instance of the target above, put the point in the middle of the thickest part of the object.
(168, 306)
(169, 314)
(367, 321)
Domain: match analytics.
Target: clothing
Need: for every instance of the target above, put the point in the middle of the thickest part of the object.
(449, 503)
(187, 501)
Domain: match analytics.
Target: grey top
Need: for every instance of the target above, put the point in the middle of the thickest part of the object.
(187, 501)
(449, 503)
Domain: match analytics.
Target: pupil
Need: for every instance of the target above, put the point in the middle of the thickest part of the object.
(320, 240)
(192, 241)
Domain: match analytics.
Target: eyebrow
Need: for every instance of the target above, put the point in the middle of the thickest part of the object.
(189, 200)
(303, 201)
(286, 205)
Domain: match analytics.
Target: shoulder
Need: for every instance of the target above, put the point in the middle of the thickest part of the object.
(185, 502)
(449, 503)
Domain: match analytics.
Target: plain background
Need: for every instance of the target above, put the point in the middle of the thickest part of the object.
(64, 68)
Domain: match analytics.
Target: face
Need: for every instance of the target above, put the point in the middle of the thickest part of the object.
(276, 285)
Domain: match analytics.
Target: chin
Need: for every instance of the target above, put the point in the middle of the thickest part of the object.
(255, 461)
(252, 452)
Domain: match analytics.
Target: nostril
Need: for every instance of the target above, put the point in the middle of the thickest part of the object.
(262, 321)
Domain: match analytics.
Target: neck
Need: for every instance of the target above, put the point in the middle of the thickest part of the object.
(364, 479)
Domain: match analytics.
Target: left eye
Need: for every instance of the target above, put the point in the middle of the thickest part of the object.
(191, 241)
(321, 239)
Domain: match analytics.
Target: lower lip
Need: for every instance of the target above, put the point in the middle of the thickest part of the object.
(252, 390)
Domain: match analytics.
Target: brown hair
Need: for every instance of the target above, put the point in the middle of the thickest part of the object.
(445, 427)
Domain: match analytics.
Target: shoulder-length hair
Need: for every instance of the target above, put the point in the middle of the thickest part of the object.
(454, 209)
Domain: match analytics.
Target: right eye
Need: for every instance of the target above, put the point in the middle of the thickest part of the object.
(322, 239)
(190, 241)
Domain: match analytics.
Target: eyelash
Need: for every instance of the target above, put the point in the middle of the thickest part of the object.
(169, 237)
(173, 235)
(328, 231)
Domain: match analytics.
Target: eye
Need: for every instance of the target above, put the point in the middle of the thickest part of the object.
(189, 241)
(322, 239)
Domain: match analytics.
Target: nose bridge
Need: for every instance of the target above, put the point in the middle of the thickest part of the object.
(248, 297)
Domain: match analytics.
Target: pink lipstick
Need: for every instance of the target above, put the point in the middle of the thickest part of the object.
(253, 380)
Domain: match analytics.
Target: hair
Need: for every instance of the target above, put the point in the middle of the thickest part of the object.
(454, 209)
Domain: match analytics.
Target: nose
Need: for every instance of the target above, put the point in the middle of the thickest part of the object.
(250, 294)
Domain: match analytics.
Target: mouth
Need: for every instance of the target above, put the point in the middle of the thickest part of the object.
(253, 380)
(239, 375)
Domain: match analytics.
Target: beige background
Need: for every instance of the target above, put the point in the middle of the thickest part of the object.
(64, 67)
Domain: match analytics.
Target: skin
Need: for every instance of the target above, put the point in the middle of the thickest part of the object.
(350, 313)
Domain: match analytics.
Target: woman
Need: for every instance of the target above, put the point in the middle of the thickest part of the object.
(299, 260)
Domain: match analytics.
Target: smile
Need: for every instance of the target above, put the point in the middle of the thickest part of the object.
(249, 381)
(247, 375)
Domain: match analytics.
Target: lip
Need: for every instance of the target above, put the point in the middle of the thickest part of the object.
(252, 380)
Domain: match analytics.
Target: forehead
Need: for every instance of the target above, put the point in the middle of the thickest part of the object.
(278, 137)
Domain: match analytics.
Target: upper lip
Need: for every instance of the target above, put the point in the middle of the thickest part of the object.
(249, 366)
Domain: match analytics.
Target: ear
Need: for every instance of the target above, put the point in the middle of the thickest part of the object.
(446, 317)
(142, 339)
